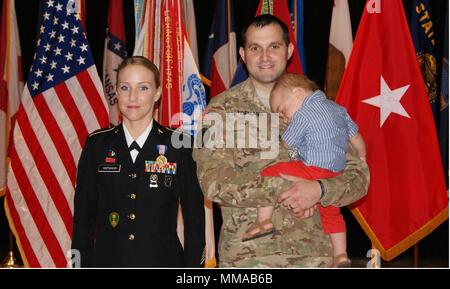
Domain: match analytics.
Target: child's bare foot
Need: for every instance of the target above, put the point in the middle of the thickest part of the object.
(341, 261)
(258, 229)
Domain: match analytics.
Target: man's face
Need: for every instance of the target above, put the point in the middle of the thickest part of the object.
(265, 54)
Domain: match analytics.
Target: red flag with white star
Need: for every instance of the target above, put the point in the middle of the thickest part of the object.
(384, 93)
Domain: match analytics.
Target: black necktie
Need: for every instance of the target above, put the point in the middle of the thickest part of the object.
(135, 146)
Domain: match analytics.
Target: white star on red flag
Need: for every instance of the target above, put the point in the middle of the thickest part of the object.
(388, 101)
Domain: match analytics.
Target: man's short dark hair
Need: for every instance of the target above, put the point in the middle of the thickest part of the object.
(263, 20)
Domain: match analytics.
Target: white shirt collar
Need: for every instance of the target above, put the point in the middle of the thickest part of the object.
(141, 139)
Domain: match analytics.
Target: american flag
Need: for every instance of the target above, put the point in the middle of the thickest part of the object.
(62, 102)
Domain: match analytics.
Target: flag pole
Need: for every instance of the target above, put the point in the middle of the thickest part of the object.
(416, 255)
(10, 261)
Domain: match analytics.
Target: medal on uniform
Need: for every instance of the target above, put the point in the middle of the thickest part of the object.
(168, 181)
(114, 219)
(161, 159)
(160, 165)
(153, 181)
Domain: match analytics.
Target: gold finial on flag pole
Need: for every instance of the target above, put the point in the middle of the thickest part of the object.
(10, 261)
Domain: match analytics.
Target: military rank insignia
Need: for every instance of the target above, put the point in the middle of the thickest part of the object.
(114, 219)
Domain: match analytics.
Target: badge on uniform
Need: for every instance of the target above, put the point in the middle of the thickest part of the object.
(153, 181)
(168, 181)
(114, 219)
(110, 157)
(111, 168)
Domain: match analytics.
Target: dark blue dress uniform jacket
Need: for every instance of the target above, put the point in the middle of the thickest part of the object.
(120, 221)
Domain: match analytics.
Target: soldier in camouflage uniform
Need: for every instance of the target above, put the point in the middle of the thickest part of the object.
(230, 176)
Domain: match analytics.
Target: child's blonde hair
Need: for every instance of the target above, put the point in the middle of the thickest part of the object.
(291, 80)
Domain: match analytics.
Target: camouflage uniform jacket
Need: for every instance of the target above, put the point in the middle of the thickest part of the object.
(230, 177)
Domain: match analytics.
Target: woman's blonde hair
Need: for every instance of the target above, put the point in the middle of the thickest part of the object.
(140, 60)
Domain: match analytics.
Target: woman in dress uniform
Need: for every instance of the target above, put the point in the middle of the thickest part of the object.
(130, 183)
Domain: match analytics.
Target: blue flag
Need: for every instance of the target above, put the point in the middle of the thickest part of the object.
(422, 32)
(297, 15)
(240, 75)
